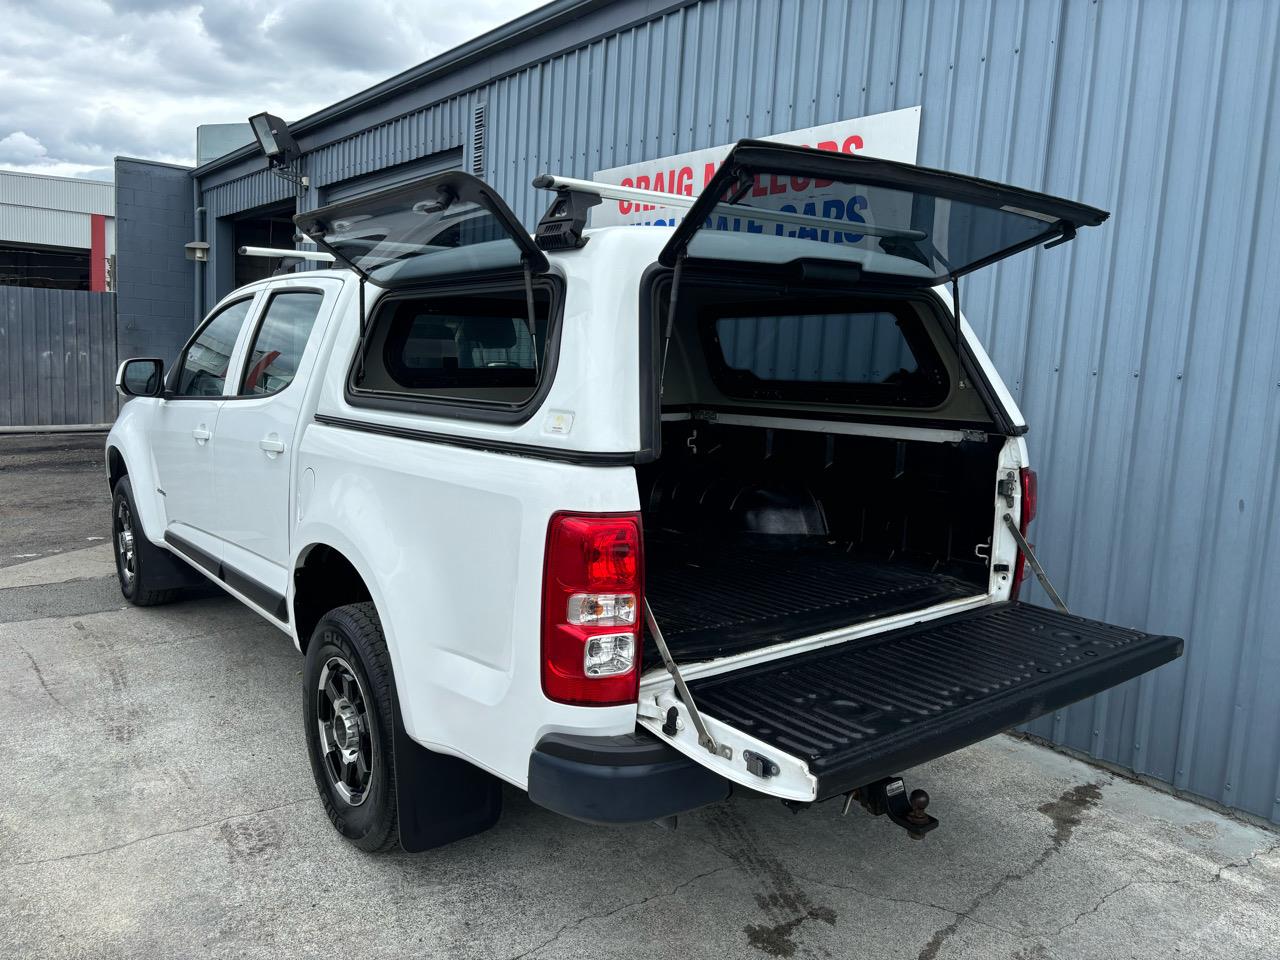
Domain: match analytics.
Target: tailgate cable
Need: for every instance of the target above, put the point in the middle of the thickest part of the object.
(1035, 564)
(705, 739)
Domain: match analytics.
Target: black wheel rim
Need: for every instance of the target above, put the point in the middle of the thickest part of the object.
(346, 734)
(126, 555)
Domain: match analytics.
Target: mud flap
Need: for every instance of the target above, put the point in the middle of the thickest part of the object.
(439, 798)
(165, 569)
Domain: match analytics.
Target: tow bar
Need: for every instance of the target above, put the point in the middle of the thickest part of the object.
(889, 796)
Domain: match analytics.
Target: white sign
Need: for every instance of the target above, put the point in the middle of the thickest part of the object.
(889, 136)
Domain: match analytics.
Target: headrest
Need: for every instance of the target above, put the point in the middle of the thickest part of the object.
(424, 329)
(490, 333)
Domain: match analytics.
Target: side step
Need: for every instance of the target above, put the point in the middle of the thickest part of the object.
(858, 712)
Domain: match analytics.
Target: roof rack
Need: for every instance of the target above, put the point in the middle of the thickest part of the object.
(611, 191)
(287, 253)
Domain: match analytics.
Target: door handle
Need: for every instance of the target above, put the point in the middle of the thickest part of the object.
(271, 445)
(201, 434)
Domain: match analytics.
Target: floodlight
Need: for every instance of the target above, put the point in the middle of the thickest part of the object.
(274, 140)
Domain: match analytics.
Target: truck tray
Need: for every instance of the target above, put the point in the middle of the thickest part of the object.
(766, 594)
(869, 708)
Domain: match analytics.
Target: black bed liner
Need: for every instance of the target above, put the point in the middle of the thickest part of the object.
(869, 708)
(720, 596)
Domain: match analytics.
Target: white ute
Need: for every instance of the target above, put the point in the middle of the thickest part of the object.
(624, 517)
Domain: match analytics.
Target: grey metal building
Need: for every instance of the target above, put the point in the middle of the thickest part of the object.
(1146, 356)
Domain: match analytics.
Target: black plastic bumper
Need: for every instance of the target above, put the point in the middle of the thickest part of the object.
(629, 778)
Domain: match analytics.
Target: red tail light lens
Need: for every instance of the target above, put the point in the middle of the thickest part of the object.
(591, 597)
(1030, 496)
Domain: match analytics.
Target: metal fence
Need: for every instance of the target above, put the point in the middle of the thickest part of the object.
(57, 357)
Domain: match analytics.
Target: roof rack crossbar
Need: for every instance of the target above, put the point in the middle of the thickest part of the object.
(288, 253)
(612, 191)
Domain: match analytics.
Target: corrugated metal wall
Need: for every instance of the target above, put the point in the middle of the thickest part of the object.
(1146, 355)
(52, 210)
(57, 357)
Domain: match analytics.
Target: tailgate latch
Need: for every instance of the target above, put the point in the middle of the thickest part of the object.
(758, 765)
(889, 796)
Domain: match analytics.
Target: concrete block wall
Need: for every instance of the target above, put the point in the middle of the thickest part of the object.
(155, 280)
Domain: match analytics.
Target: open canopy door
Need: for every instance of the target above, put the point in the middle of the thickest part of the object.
(776, 203)
(444, 225)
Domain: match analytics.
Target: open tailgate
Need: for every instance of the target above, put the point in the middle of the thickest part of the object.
(832, 719)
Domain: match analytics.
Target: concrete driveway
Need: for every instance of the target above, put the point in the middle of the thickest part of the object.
(159, 804)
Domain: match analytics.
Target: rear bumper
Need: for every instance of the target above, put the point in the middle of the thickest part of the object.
(629, 778)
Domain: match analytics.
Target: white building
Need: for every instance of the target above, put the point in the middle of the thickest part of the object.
(56, 232)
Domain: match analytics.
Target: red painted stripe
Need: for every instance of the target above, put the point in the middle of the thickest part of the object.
(97, 252)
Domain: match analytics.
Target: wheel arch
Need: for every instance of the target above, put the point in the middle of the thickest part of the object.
(128, 456)
(116, 467)
(324, 577)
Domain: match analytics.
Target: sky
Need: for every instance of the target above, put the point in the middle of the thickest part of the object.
(83, 81)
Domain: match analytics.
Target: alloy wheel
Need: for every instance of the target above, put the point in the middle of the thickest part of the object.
(346, 738)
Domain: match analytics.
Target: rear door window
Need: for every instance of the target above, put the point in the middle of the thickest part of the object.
(281, 337)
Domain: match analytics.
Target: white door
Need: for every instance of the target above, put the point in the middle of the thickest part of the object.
(185, 442)
(257, 429)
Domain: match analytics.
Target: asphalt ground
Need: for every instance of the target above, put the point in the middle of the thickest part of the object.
(158, 803)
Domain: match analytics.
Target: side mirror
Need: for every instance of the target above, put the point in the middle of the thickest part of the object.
(140, 378)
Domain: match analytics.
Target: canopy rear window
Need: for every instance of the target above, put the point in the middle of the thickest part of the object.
(445, 225)
(874, 353)
(774, 203)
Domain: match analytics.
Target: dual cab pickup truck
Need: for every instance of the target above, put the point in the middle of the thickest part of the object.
(627, 518)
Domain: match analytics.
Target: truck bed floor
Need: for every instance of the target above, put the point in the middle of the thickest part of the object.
(718, 597)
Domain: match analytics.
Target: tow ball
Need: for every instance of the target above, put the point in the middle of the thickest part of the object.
(889, 796)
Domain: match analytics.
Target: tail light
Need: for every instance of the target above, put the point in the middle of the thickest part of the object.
(592, 597)
(1030, 493)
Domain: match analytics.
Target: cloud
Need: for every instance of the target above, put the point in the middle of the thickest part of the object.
(87, 80)
(19, 147)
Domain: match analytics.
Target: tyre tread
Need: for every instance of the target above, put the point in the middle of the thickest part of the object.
(362, 620)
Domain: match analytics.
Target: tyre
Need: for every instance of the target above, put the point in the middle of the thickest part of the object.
(349, 721)
(136, 557)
